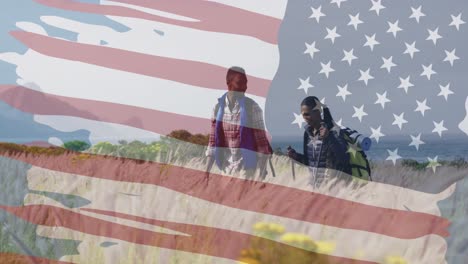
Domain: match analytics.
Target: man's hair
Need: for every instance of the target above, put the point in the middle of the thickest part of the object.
(233, 71)
(311, 102)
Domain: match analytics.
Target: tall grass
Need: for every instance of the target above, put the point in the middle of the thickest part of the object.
(180, 153)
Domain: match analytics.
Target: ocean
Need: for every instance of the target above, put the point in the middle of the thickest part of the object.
(447, 148)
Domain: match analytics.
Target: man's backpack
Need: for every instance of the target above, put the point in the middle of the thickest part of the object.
(358, 162)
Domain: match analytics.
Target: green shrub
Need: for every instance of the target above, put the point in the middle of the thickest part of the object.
(76, 145)
(414, 164)
(459, 162)
(103, 148)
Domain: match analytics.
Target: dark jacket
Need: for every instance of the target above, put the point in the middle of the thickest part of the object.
(333, 153)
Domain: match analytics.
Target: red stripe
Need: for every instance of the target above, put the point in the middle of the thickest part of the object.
(189, 72)
(43, 144)
(19, 259)
(252, 196)
(202, 240)
(40, 103)
(213, 16)
(163, 123)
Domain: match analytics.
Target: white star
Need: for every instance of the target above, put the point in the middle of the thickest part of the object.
(326, 69)
(416, 141)
(433, 163)
(311, 49)
(457, 21)
(405, 83)
(338, 123)
(349, 56)
(320, 105)
(314, 143)
(399, 120)
(393, 155)
(376, 134)
(451, 57)
(393, 28)
(417, 13)
(359, 112)
(298, 119)
(331, 34)
(337, 126)
(445, 91)
(365, 76)
(427, 71)
(382, 99)
(411, 49)
(434, 35)
(305, 85)
(337, 2)
(353, 148)
(439, 128)
(354, 21)
(388, 64)
(422, 107)
(317, 13)
(322, 101)
(371, 42)
(343, 92)
(376, 6)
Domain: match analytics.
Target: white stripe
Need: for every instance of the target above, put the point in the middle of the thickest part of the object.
(99, 131)
(258, 58)
(463, 125)
(149, 201)
(31, 27)
(150, 11)
(373, 193)
(85, 81)
(36, 198)
(273, 8)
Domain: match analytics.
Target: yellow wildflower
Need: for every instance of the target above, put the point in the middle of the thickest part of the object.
(247, 260)
(299, 240)
(268, 230)
(395, 260)
(325, 247)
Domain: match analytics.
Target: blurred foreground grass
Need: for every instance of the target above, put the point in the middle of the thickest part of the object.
(178, 152)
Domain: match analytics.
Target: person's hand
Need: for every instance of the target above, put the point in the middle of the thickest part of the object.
(291, 152)
(323, 132)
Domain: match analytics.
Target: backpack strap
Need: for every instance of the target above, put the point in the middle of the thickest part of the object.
(248, 107)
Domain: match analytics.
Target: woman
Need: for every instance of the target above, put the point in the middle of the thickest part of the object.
(323, 147)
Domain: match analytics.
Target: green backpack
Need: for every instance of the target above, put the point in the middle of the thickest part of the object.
(358, 162)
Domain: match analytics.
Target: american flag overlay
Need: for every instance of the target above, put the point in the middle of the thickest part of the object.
(384, 68)
(121, 73)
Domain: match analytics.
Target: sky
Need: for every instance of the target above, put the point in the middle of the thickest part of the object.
(297, 30)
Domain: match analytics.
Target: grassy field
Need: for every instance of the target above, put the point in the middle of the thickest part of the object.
(21, 184)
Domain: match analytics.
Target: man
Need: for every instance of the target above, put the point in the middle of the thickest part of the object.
(238, 143)
(323, 148)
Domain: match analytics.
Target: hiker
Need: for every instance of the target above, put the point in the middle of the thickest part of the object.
(323, 147)
(238, 142)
